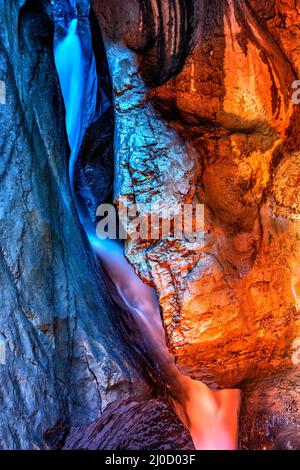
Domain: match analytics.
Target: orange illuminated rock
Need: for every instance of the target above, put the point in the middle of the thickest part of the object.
(222, 130)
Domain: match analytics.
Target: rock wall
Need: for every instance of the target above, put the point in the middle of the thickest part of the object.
(219, 128)
(201, 92)
(270, 413)
(65, 358)
(214, 122)
(129, 425)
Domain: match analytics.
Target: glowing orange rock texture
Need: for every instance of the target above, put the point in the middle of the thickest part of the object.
(230, 305)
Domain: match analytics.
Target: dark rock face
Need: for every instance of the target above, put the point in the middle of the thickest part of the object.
(129, 425)
(65, 359)
(213, 133)
(270, 417)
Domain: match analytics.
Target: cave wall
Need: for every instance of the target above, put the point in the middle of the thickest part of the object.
(218, 126)
(64, 359)
(190, 126)
(213, 122)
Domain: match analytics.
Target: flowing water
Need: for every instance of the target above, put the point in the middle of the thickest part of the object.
(210, 416)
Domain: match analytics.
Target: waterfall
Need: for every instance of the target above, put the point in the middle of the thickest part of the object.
(70, 68)
(210, 416)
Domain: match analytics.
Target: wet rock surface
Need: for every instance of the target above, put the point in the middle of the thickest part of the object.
(65, 359)
(270, 413)
(221, 130)
(129, 425)
(190, 125)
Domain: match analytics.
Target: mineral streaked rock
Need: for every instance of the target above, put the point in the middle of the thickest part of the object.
(64, 356)
(270, 418)
(229, 306)
(129, 425)
(222, 131)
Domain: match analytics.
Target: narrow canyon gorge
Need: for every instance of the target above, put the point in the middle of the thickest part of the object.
(150, 343)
